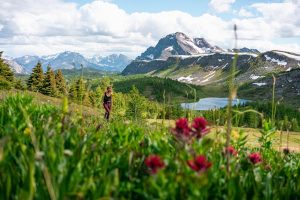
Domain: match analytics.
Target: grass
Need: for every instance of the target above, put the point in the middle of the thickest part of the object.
(50, 152)
(46, 100)
(252, 135)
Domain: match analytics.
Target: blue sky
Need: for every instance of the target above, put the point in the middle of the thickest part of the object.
(194, 7)
(103, 27)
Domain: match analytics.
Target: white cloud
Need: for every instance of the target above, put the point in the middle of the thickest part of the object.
(221, 5)
(101, 27)
(244, 13)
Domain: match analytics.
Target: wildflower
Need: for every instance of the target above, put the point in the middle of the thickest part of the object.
(286, 151)
(154, 163)
(199, 164)
(27, 131)
(200, 127)
(231, 150)
(255, 158)
(182, 127)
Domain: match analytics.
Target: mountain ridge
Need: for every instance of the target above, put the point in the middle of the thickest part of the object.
(74, 60)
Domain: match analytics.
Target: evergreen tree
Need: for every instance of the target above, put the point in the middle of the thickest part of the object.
(6, 75)
(136, 104)
(73, 91)
(35, 80)
(80, 89)
(19, 85)
(60, 83)
(49, 83)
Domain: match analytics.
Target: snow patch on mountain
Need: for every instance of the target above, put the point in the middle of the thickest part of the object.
(170, 48)
(279, 62)
(187, 78)
(289, 55)
(240, 54)
(208, 76)
(259, 84)
(254, 77)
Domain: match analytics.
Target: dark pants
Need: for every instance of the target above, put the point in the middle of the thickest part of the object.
(107, 107)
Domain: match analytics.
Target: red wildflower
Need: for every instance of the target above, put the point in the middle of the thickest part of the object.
(182, 127)
(200, 126)
(255, 157)
(200, 163)
(231, 150)
(154, 163)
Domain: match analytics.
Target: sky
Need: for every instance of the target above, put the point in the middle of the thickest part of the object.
(103, 27)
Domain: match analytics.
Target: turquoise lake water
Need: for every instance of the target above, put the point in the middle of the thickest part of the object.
(211, 103)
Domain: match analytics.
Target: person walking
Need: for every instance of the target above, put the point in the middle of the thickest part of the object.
(107, 102)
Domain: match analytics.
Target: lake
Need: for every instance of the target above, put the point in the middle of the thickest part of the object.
(211, 103)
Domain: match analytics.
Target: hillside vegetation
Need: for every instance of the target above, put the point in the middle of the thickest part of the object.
(53, 153)
(161, 89)
(55, 143)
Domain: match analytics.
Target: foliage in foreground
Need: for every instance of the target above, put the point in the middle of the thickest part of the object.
(6, 75)
(50, 153)
(286, 118)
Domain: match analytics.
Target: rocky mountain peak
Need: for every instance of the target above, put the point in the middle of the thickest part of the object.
(176, 44)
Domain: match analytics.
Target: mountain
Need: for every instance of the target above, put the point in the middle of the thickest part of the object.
(254, 76)
(177, 44)
(112, 62)
(28, 62)
(206, 64)
(246, 50)
(67, 60)
(214, 68)
(195, 61)
(17, 69)
(73, 60)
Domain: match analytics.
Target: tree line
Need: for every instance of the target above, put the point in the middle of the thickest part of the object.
(48, 83)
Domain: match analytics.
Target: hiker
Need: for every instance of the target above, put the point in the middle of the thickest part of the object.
(107, 102)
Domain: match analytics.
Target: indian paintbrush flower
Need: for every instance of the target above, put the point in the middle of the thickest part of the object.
(182, 127)
(154, 163)
(185, 133)
(231, 150)
(199, 163)
(199, 127)
(255, 158)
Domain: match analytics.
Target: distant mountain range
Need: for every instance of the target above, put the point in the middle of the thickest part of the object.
(195, 61)
(69, 60)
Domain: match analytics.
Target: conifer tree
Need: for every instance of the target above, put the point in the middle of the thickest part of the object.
(80, 89)
(136, 104)
(60, 83)
(73, 91)
(35, 80)
(6, 74)
(49, 83)
(19, 85)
